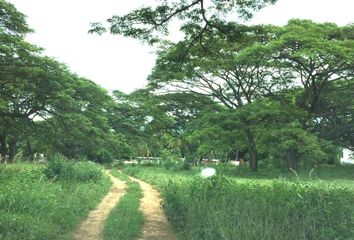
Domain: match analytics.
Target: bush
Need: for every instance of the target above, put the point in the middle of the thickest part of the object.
(185, 165)
(169, 159)
(102, 156)
(62, 169)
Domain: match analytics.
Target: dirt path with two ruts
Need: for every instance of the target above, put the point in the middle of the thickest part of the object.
(156, 226)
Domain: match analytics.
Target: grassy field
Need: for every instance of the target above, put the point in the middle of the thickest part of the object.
(48, 202)
(34, 205)
(125, 221)
(236, 204)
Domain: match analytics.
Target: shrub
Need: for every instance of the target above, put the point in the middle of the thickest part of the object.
(104, 156)
(168, 159)
(185, 165)
(61, 168)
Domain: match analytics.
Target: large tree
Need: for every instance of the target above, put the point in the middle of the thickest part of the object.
(43, 105)
(233, 71)
(302, 63)
(277, 134)
(15, 53)
(79, 126)
(320, 58)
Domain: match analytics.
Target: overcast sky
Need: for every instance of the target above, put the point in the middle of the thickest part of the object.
(121, 63)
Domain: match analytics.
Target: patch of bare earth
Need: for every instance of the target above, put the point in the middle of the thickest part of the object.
(92, 227)
(156, 226)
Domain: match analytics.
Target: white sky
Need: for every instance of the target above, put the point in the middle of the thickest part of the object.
(121, 63)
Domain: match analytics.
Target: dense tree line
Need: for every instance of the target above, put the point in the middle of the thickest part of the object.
(274, 96)
(284, 93)
(288, 89)
(44, 107)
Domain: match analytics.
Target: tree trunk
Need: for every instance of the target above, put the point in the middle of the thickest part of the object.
(252, 151)
(237, 154)
(29, 149)
(3, 148)
(253, 160)
(292, 159)
(12, 150)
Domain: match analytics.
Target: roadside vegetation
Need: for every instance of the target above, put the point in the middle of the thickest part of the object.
(126, 220)
(36, 206)
(227, 206)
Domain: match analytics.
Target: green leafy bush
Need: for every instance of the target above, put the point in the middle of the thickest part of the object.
(63, 169)
(102, 156)
(169, 159)
(185, 165)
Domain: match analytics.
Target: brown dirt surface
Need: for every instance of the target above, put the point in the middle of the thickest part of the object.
(156, 226)
(92, 227)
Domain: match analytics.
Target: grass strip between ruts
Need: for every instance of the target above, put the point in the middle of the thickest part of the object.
(125, 221)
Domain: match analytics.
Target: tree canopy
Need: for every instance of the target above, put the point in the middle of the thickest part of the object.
(150, 24)
(302, 65)
(276, 96)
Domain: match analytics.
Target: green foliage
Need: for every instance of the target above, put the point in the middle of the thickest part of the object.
(271, 74)
(62, 169)
(11, 21)
(326, 92)
(277, 211)
(74, 111)
(151, 24)
(82, 125)
(231, 208)
(168, 159)
(125, 221)
(185, 165)
(34, 208)
(278, 137)
(102, 156)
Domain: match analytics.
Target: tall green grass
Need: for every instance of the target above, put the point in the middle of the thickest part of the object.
(59, 168)
(125, 221)
(272, 209)
(35, 207)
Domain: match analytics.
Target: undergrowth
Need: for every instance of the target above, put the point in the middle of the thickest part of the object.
(82, 171)
(274, 209)
(35, 207)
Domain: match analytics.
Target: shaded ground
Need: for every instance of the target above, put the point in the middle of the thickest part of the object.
(156, 226)
(91, 228)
